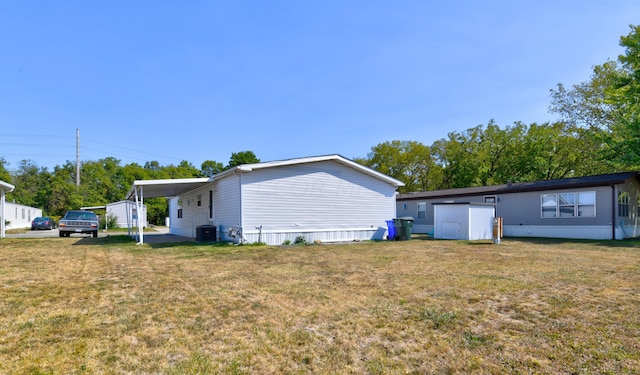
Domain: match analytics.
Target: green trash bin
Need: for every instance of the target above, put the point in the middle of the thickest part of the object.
(403, 227)
(407, 225)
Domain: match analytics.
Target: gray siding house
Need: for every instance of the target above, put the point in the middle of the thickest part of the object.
(592, 207)
(326, 198)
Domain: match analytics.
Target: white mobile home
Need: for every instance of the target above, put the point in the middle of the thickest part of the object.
(126, 213)
(325, 198)
(20, 216)
(590, 207)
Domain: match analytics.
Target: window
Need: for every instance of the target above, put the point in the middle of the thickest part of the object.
(582, 204)
(490, 199)
(623, 204)
(199, 200)
(549, 203)
(179, 213)
(567, 204)
(422, 210)
(587, 204)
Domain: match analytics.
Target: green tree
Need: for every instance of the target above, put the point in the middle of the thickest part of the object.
(242, 157)
(608, 105)
(4, 172)
(182, 170)
(32, 184)
(210, 168)
(101, 182)
(625, 95)
(64, 194)
(408, 161)
(459, 156)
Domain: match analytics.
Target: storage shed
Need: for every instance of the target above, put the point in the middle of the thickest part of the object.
(463, 221)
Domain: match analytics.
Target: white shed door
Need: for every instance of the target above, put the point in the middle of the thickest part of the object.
(451, 230)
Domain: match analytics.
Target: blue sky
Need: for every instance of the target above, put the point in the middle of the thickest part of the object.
(197, 80)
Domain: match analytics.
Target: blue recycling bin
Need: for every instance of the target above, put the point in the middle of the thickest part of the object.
(392, 230)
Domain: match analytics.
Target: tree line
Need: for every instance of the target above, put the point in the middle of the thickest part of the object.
(598, 131)
(102, 181)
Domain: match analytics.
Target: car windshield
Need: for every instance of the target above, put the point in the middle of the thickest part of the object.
(80, 216)
(40, 219)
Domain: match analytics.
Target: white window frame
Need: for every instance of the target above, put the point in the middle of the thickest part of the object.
(623, 203)
(424, 211)
(568, 205)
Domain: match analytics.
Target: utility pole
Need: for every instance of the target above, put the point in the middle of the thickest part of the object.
(77, 157)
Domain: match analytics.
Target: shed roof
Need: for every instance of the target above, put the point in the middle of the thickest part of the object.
(564, 183)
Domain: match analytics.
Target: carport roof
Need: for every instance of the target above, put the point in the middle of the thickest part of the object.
(166, 187)
(6, 187)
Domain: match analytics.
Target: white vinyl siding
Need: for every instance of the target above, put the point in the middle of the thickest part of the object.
(23, 215)
(319, 195)
(226, 205)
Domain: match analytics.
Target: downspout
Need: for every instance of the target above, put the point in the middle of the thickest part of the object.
(613, 211)
(240, 204)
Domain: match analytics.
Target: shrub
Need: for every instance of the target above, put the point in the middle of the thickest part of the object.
(109, 222)
(286, 242)
(300, 240)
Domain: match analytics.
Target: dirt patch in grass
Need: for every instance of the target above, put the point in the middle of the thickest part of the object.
(108, 306)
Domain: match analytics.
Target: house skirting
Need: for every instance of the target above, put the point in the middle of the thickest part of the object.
(278, 237)
(594, 232)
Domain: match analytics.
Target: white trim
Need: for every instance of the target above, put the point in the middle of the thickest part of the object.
(5, 187)
(311, 159)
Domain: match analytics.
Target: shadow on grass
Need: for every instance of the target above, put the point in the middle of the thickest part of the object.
(631, 242)
(123, 239)
(110, 239)
(177, 243)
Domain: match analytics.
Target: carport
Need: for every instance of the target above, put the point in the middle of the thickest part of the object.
(4, 188)
(166, 188)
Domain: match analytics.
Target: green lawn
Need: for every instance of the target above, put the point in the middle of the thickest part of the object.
(103, 306)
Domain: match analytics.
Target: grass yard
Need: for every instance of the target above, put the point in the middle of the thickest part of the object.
(107, 306)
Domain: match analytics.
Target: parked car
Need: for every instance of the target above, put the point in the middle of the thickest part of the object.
(78, 222)
(43, 222)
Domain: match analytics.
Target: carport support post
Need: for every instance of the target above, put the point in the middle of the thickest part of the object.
(138, 201)
(1, 213)
(4, 188)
